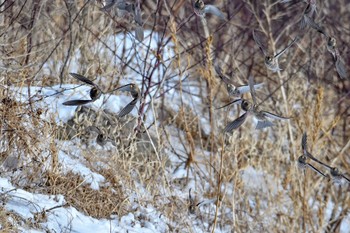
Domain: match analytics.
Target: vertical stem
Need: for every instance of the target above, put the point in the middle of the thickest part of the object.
(283, 92)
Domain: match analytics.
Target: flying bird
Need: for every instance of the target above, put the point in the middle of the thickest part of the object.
(95, 91)
(302, 159)
(335, 174)
(303, 164)
(135, 93)
(332, 49)
(307, 14)
(233, 89)
(202, 9)
(132, 8)
(250, 108)
(271, 61)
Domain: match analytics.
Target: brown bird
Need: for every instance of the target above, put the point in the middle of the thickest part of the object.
(101, 138)
(192, 203)
(95, 91)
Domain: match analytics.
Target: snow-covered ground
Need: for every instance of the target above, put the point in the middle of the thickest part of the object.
(60, 217)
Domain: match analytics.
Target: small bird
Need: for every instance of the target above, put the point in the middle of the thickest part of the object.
(306, 153)
(202, 9)
(232, 89)
(334, 172)
(135, 93)
(303, 164)
(331, 41)
(101, 138)
(95, 91)
(271, 62)
(307, 14)
(252, 109)
(302, 159)
(337, 176)
(332, 48)
(132, 8)
(192, 203)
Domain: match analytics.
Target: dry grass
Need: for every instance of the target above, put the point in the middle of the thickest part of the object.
(40, 52)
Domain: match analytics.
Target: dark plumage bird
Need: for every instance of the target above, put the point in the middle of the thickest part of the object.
(302, 160)
(332, 48)
(263, 117)
(202, 9)
(135, 93)
(95, 91)
(271, 61)
(232, 88)
(132, 8)
(101, 138)
(307, 14)
(335, 174)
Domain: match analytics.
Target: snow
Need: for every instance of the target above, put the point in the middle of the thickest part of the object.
(76, 167)
(61, 217)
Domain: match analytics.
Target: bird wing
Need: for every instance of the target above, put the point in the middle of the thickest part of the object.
(286, 48)
(245, 88)
(138, 16)
(263, 124)
(238, 101)
(83, 79)
(258, 41)
(315, 169)
(340, 66)
(128, 108)
(347, 179)
(126, 87)
(304, 143)
(76, 102)
(273, 116)
(236, 123)
(108, 5)
(214, 10)
(139, 35)
(303, 22)
(315, 26)
(222, 76)
(129, 7)
(252, 89)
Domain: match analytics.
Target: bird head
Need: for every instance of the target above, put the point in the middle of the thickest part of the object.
(332, 42)
(268, 59)
(246, 105)
(199, 4)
